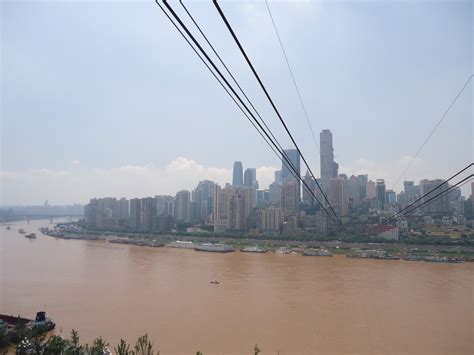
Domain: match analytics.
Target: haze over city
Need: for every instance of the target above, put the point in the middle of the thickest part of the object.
(76, 124)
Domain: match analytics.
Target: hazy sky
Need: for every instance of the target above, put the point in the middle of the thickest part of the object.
(104, 98)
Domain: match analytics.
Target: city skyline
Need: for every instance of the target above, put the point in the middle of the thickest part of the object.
(97, 126)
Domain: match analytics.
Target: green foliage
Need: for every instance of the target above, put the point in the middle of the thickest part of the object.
(144, 346)
(99, 347)
(55, 345)
(123, 348)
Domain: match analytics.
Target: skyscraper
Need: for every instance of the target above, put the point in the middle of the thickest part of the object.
(250, 180)
(290, 197)
(380, 193)
(329, 168)
(237, 176)
(337, 195)
(135, 213)
(182, 205)
(287, 174)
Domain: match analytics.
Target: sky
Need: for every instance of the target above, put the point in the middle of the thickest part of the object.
(104, 98)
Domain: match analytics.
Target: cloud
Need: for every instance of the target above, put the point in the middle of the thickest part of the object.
(75, 162)
(78, 186)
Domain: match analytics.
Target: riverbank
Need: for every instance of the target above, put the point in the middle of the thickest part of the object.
(383, 251)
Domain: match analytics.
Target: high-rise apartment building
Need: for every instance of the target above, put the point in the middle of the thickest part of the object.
(148, 217)
(290, 197)
(370, 190)
(237, 174)
(308, 198)
(271, 219)
(441, 203)
(135, 214)
(287, 173)
(337, 196)
(182, 206)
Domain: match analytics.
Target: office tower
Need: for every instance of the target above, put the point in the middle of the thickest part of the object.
(441, 203)
(362, 181)
(380, 193)
(182, 206)
(337, 196)
(275, 193)
(329, 168)
(271, 219)
(250, 180)
(237, 176)
(135, 213)
(353, 191)
(207, 198)
(409, 190)
(278, 177)
(308, 198)
(290, 197)
(287, 174)
(370, 190)
(390, 197)
(148, 214)
(250, 177)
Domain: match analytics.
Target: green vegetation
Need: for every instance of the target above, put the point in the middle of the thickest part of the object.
(43, 344)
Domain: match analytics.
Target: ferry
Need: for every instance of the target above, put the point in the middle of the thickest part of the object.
(31, 236)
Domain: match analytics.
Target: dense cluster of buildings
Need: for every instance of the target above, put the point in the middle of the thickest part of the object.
(286, 207)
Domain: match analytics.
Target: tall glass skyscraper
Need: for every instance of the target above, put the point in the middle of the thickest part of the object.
(329, 169)
(238, 175)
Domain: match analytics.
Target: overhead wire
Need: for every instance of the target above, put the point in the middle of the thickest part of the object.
(234, 36)
(281, 155)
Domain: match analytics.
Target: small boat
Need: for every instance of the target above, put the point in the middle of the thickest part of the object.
(215, 282)
(21, 231)
(31, 236)
(8, 228)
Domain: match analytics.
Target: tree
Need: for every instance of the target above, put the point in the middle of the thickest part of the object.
(99, 347)
(55, 345)
(144, 346)
(123, 348)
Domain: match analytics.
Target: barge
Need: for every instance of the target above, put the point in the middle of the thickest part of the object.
(214, 248)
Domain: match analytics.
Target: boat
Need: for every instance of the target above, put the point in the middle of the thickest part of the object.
(41, 324)
(182, 244)
(317, 252)
(8, 228)
(216, 248)
(21, 231)
(254, 249)
(31, 236)
(215, 282)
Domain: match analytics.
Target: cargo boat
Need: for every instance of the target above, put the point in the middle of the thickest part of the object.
(182, 244)
(317, 252)
(215, 248)
(254, 249)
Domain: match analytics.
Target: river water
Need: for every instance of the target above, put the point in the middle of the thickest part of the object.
(287, 304)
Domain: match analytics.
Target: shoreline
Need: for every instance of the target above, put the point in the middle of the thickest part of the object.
(426, 253)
